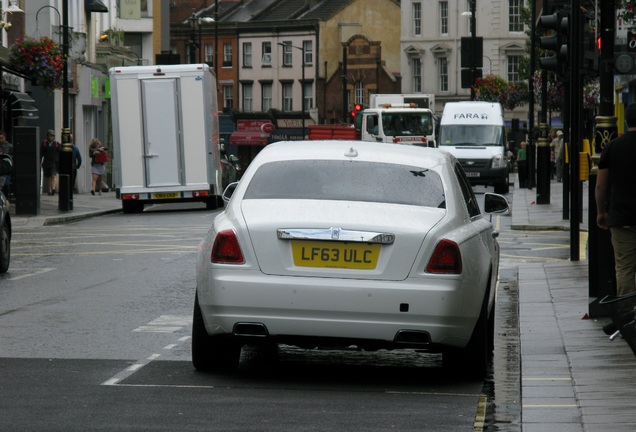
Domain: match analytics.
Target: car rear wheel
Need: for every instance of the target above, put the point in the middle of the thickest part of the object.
(472, 361)
(211, 353)
(5, 248)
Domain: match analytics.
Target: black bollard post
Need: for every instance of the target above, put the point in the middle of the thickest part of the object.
(543, 166)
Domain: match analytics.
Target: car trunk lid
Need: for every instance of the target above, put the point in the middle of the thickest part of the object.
(317, 238)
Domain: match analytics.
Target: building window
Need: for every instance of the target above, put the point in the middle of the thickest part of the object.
(247, 98)
(443, 17)
(359, 92)
(513, 68)
(417, 74)
(267, 54)
(308, 51)
(228, 96)
(443, 74)
(247, 54)
(209, 54)
(227, 55)
(308, 89)
(287, 54)
(417, 19)
(514, 15)
(266, 97)
(288, 97)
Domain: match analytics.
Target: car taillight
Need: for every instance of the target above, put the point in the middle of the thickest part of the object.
(446, 258)
(226, 249)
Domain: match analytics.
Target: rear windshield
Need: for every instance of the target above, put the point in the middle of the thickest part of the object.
(347, 181)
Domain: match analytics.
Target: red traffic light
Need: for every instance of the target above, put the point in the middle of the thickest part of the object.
(356, 109)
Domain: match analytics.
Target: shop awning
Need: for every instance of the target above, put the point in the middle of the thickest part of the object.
(23, 106)
(249, 138)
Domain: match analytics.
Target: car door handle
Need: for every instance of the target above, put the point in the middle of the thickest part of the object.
(150, 155)
(495, 234)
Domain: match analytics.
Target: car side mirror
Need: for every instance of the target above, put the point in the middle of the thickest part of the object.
(496, 204)
(228, 192)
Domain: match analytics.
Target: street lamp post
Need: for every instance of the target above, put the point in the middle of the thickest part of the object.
(65, 202)
(192, 44)
(200, 21)
(473, 35)
(302, 84)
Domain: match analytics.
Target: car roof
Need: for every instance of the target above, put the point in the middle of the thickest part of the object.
(363, 150)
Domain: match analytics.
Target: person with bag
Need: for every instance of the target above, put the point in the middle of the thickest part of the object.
(99, 156)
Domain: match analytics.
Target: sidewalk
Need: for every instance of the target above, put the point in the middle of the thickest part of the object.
(85, 206)
(573, 378)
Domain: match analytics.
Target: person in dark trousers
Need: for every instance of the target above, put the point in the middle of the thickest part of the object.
(615, 196)
(49, 152)
(521, 164)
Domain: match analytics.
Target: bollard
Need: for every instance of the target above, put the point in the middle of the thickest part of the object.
(543, 166)
(65, 202)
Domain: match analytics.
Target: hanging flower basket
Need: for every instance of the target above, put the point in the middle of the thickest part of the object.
(626, 11)
(493, 88)
(41, 59)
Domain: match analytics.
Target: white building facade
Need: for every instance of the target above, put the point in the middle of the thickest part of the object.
(431, 33)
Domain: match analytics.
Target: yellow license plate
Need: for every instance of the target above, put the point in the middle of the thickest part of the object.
(166, 195)
(327, 254)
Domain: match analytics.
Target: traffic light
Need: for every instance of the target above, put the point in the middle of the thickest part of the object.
(557, 26)
(591, 49)
(356, 109)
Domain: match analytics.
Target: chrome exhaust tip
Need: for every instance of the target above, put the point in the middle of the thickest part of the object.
(250, 329)
(416, 337)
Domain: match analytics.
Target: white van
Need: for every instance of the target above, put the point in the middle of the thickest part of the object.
(475, 133)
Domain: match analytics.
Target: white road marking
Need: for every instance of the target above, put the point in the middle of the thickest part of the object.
(35, 273)
(130, 370)
(165, 324)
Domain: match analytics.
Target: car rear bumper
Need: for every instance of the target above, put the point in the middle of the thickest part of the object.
(251, 305)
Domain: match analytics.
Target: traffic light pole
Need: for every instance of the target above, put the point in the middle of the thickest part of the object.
(576, 137)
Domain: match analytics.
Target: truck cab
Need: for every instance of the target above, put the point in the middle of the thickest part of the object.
(398, 124)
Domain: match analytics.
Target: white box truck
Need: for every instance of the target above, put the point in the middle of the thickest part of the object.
(165, 135)
(475, 133)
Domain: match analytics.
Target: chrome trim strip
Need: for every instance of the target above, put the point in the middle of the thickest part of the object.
(334, 234)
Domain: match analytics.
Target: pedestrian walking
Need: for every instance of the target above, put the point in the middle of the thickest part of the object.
(560, 155)
(99, 156)
(521, 164)
(616, 202)
(49, 152)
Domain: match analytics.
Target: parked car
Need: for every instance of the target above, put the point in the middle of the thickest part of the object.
(349, 243)
(6, 167)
